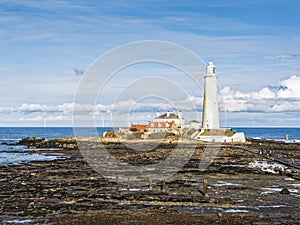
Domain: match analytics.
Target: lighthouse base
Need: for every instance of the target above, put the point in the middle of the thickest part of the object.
(220, 135)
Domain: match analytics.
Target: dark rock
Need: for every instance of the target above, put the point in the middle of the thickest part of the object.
(36, 142)
(285, 191)
(32, 142)
(201, 192)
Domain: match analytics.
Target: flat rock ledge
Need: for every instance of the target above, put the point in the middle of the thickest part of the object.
(37, 142)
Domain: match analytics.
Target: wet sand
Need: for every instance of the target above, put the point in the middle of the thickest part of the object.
(242, 188)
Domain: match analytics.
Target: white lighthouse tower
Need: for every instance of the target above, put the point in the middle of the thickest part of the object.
(210, 116)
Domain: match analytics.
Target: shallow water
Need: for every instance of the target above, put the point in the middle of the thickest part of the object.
(12, 155)
(18, 158)
(267, 166)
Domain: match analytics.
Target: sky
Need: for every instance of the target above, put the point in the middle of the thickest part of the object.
(47, 47)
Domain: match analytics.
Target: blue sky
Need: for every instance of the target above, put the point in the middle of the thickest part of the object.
(47, 45)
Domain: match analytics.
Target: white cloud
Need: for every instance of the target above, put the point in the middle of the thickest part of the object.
(292, 88)
(263, 93)
(31, 108)
(32, 119)
(284, 97)
(57, 118)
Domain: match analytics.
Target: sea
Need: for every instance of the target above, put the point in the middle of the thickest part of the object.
(14, 155)
(19, 154)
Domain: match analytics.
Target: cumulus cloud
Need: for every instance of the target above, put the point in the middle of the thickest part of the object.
(280, 98)
(31, 108)
(283, 97)
(292, 88)
(64, 112)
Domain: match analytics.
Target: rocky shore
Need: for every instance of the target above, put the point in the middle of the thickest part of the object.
(36, 142)
(239, 186)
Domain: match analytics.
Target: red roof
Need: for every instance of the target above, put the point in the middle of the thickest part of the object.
(138, 126)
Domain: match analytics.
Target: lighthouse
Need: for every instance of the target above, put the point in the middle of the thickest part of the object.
(210, 116)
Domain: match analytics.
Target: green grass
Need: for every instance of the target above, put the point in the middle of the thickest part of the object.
(218, 132)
